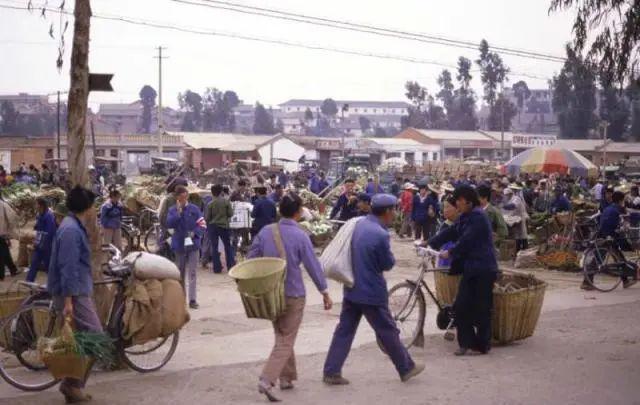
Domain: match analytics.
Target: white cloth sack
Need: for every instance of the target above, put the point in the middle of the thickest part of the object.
(336, 258)
(149, 266)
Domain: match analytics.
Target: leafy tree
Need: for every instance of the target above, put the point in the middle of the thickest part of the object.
(32, 125)
(279, 126)
(9, 116)
(496, 120)
(574, 96)
(614, 109)
(633, 95)
(365, 123)
(308, 115)
(493, 72)
(436, 115)
(416, 94)
(263, 122)
(329, 108)
(608, 30)
(380, 132)
(192, 103)
(522, 93)
(148, 98)
(417, 117)
(446, 93)
(462, 114)
(218, 110)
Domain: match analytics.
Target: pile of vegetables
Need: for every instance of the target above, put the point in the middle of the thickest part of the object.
(22, 198)
(317, 227)
(309, 199)
(82, 344)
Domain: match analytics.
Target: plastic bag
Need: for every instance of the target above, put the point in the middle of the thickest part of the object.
(336, 258)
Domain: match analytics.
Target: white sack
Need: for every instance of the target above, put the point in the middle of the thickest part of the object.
(149, 266)
(336, 258)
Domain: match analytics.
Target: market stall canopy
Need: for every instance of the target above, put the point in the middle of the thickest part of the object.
(394, 162)
(550, 160)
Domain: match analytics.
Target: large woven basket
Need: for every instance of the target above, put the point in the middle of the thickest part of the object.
(68, 365)
(261, 286)
(9, 304)
(446, 287)
(515, 314)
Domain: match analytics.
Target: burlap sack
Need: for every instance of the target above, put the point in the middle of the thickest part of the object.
(143, 311)
(174, 309)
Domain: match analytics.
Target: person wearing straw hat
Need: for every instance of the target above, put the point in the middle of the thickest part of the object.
(298, 249)
(473, 256)
(369, 297)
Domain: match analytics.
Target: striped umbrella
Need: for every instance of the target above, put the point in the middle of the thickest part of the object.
(550, 160)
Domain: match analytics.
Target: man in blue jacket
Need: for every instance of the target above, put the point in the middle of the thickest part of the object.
(264, 211)
(473, 256)
(560, 203)
(346, 206)
(372, 256)
(45, 231)
(189, 227)
(111, 220)
(424, 213)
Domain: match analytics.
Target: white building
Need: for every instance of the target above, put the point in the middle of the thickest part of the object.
(380, 149)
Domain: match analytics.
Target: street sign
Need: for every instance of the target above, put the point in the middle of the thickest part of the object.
(100, 82)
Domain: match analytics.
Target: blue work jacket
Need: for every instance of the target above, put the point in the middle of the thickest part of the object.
(188, 224)
(70, 267)
(45, 231)
(560, 204)
(371, 256)
(610, 221)
(264, 213)
(111, 215)
(420, 208)
(472, 253)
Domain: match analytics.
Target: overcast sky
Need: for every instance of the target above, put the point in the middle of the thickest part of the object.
(272, 73)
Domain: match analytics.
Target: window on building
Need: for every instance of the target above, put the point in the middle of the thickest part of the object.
(355, 110)
(114, 153)
(48, 154)
(394, 155)
(99, 152)
(365, 110)
(375, 110)
(298, 108)
(435, 156)
(384, 110)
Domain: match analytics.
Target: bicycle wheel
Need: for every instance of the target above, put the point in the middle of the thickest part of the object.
(20, 363)
(408, 308)
(597, 268)
(152, 242)
(151, 356)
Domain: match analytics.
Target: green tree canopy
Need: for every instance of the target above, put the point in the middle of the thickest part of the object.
(263, 122)
(148, 98)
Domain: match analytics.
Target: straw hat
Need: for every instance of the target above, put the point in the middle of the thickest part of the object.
(435, 188)
(515, 187)
(448, 187)
(409, 186)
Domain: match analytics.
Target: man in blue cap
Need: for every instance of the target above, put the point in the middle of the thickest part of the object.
(364, 204)
(370, 258)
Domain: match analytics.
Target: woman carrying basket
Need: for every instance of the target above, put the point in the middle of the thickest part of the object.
(70, 280)
(298, 249)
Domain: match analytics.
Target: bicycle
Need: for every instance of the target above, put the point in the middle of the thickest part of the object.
(20, 363)
(604, 263)
(408, 305)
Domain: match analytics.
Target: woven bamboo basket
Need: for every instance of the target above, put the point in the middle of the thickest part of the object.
(9, 303)
(516, 313)
(507, 250)
(68, 365)
(446, 287)
(321, 240)
(261, 286)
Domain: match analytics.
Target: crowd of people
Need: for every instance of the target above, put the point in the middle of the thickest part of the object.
(464, 218)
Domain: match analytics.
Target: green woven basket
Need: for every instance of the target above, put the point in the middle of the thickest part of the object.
(261, 286)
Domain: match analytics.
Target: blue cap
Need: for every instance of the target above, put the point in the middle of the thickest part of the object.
(364, 197)
(383, 201)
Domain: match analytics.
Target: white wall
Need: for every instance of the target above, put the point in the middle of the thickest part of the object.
(282, 148)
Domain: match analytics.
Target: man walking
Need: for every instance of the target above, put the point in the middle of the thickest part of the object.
(188, 228)
(369, 297)
(45, 231)
(218, 215)
(111, 220)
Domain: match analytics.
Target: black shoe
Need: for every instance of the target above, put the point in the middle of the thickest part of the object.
(194, 305)
(586, 286)
(628, 283)
(14, 272)
(461, 351)
(335, 380)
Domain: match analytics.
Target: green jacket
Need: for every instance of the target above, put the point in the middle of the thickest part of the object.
(498, 224)
(219, 212)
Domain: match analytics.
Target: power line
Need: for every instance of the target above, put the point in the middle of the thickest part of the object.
(199, 31)
(365, 28)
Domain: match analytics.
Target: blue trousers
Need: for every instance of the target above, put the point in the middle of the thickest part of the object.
(218, 233)
(380, 319)
(38, 258)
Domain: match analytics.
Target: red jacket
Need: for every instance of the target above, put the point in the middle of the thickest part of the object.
(406, 201)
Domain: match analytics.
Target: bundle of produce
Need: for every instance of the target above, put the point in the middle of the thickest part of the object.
(565, 260)
(319, 231)
(309, 198)
(538, 219)
(71, 354)
(147, 198)
(154, 184)
(22, 197)
(55, 195)
(527, 259)
(517, 302)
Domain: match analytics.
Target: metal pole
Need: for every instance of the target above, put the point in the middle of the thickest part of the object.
(58, 132)
(160, 123)
(604, 148)
(93, 142)
(502, 124)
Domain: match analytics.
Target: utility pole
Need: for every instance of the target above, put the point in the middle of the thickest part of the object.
(605, 126)
(160, 123)
(58, 131)
(345, 107)
(502, 123)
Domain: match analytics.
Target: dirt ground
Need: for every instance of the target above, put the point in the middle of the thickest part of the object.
(586, 350)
